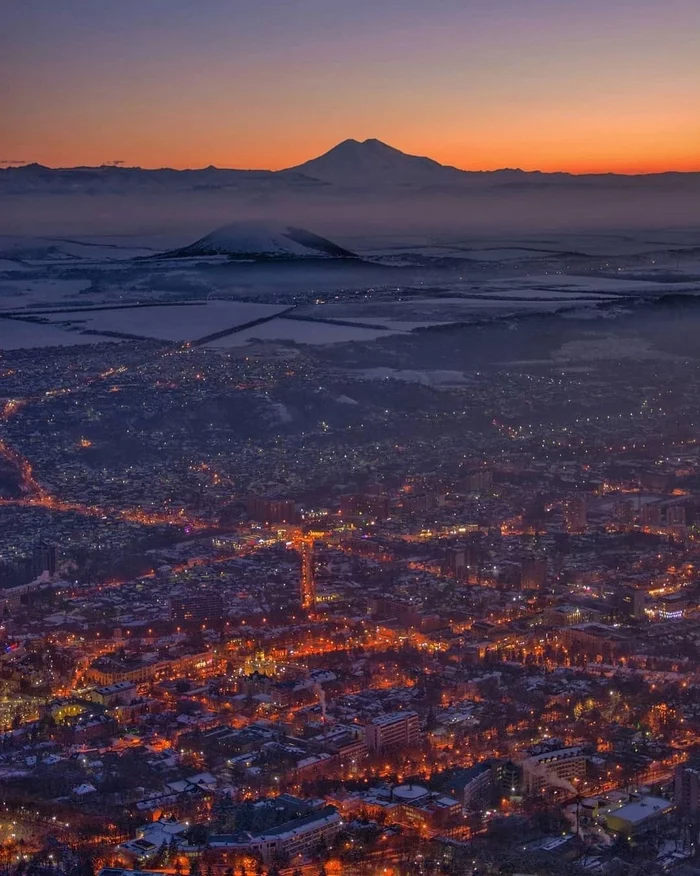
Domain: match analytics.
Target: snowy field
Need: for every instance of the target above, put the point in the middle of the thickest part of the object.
(436, 379)
(590, 285)
(20, 294)
(413, 313)
(533, 293)
(15, 335)
(165, 323)
(398, 325)
(52, 250)
(609, 347)
(494, 249)
(190, 298)
(300, 332)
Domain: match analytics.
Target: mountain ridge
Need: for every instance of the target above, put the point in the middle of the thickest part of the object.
(354, 161)
(351, 160)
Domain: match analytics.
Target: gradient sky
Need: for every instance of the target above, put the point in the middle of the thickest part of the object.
(578, 85)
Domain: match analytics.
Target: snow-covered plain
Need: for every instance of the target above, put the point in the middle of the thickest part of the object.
(51, 250)
(167, 323)
(591, 285)
(398, 325)
(15, 335)
(299, 332)
(609, 347)
(425, 378)
(46, 292)
(190, 298)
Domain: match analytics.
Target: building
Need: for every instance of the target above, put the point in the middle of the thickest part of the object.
(598, 641)
(364, 505)
(675, 516)
(624, 512)
(569, 615)
(478, 480)
(650, 515)
(534, 514)
(533, 573)
(475, 786)
(687, 787)
(392, 730)
(575, 514)
(44, 559)
(110, 669)
(201, 606)
(150, 838)
(419, 808)
(638, 816)
(508, 777)
(629, 602)
(654, 480)
(122, 692)
(456, 562)
(350, 749)
(412, 805)
(304, 544)
(268, 509)
(464, 561)
(419, 503)
(554, 769)
(300, 836)
(671, 606)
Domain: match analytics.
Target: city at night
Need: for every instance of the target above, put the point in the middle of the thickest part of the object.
(350, 439)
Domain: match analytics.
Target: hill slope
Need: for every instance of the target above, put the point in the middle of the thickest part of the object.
(372, 162)
(263, 240)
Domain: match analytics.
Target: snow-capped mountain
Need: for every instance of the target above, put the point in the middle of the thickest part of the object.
(372, 162)
(263, 240)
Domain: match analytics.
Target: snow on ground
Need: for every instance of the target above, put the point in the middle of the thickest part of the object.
(426, 378)
(610, 347)
(591, 283)
(282, 412)
(177, 322)
(479, 303)
(19, 294)
(15, 335)
(502, 254)
(574, 355)
(398, 325)
(56, 249)
(300, 332)
(509, 248)
(10, 266)
(391, 309)
(533, 294)
(422, 312)
(438, 251)
(266, 239)
(629, 244)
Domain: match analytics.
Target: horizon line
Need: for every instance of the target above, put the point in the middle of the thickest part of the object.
(120, 165)
(337, 146)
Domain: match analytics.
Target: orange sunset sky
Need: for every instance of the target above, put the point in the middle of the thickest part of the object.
(538, 84)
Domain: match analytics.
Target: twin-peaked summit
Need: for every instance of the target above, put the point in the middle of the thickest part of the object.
(369, 162)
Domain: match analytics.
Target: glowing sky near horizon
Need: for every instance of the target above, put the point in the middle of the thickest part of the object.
(577, 85)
